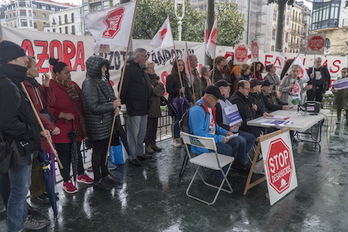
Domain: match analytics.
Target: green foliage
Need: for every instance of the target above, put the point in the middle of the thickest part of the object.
(152, 13)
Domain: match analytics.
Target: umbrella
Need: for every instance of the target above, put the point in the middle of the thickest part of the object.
(44, 161)
(73, 135)
(179, 106)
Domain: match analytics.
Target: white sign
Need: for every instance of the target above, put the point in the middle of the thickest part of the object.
(232, 115)
(340, 84)
(279, 166)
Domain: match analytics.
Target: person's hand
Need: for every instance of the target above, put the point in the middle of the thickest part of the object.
(312, 75)
(46, 134)
(309, 87)
(268, 115)
(66, 116)
(182, 90)
(254, 106)
(285, 107)
(56, 131)
(46, 80)
(232, 128)
(228, 133)
(225, 139)
(291, 86)
(116, 103)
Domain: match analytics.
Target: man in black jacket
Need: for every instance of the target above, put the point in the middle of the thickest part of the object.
(136, 93)
(320, 79)
(17, 124)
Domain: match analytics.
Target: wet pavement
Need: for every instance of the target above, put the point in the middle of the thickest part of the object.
(152, 197)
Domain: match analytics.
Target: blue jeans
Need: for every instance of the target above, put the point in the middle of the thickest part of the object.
(14, 188)
(136, 131)
(225, 149)
(175, 127)
(246, 141)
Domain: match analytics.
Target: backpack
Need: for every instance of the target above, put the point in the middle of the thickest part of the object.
(184, 121)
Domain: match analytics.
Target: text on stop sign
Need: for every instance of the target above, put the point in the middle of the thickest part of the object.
(279, 161)
(317, 43)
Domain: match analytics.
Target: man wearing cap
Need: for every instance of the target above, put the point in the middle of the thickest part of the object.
(244, 141)
(18, 127)
(202, 121)
(272, 103)
(256, 97)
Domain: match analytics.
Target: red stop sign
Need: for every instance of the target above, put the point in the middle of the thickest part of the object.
(279, 165)
(316, 43)
(241, 53)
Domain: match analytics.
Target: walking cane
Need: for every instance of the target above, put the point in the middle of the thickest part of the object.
(42, 126)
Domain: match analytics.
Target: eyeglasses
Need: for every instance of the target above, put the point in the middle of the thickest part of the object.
(247, 88)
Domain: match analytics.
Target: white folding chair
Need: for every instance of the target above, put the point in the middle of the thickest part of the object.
(211, 160)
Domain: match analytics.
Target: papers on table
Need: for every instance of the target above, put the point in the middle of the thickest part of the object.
(232, 115)
(275, 122)
(276, 117)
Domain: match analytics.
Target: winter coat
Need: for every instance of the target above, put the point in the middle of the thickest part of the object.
(173, 87)
(98, 97)
(284, 88)
(324, 83)
(198, 85)
(341, 99)
(257, 99)
(272, 103)
(17, 119)
(273, 79)
(64, 104)
(157, 91)
(136, 89)
(199, 120)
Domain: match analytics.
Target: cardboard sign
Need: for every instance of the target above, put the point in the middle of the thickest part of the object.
(232, 115)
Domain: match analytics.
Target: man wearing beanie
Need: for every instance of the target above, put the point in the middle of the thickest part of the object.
(202, 122)
(19, 128)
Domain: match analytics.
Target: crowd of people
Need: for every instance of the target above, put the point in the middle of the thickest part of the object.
(70, 113)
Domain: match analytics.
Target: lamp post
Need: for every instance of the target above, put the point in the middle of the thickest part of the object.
(179, 8)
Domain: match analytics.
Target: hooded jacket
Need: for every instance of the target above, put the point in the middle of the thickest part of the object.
(98, 97)
(17, 119)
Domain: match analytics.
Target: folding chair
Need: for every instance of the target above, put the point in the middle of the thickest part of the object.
(211, 160)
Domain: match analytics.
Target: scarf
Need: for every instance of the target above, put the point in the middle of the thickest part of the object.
(70, 89)
(32, 81)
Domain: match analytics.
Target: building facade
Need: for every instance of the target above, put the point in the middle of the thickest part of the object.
(69, 21)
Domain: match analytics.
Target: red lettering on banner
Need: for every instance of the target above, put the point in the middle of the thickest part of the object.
(325, 63)
(336, 64)
(64, 51)
(41, 57)
(278, 62)
(267, 62)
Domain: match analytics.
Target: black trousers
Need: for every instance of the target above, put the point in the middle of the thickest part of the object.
(64, 154)
(151, 131)
(99, 151)
(315, 95)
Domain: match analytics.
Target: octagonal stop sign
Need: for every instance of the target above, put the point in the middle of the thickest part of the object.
(316, 43)
(279, 165)
(240, 54)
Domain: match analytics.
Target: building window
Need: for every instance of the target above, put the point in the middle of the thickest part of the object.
(44, 15)
(54, 30)
(35, 24)
(60, 30)
(274, 15)
(23, 13)
(60, 20)
(24, 23)
(327, 43)
(34, 14)
(73, 29)
(44, 7)
(66, 19)
(72, 17)
(273, 34)
(66, 30)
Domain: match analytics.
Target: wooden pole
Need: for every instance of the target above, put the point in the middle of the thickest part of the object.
(42, 126)
(190, 71)
(121, 83)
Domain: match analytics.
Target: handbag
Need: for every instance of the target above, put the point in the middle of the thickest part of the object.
(46, 112)
(164, 101)
(9, 155)
(82, 124)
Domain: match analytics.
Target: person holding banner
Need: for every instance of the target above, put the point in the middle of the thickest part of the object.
(292, 86)
(244, 141)
(100, 106)
(68, 111)
(136, 94)
(177, 87)
(340, 101)
(320, 79)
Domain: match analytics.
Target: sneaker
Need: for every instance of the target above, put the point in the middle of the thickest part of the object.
(101, 186)
(144, 157)
(134, 162)
(176, 142)
(90, 169)
(42, 199)
(69, 187)
(155, 148)
(338, 122)
(111, 166)
(112, 179)
(84, 179)
(149, 149)
(31, 224)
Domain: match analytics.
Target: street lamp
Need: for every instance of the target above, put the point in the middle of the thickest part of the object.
(179, 5)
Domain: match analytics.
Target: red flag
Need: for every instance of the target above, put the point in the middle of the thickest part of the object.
(211, 44)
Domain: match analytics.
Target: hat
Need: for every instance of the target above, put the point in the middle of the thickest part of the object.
(266, 83)
(254, 82)
(215, 91)
(224, 83)
(10, 51)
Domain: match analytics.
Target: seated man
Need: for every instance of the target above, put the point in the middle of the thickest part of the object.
(202, 122)
(246, 107)
(255, 96)
(244, 139)
(272, 103)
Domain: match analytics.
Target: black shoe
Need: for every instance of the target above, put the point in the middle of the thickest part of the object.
(240, 168)
(33, 210)
(111, 179)
(101, 186)
(134, 162)
(42, 199)
(144, 157)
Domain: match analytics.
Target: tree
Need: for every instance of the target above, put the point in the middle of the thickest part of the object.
(147, 24)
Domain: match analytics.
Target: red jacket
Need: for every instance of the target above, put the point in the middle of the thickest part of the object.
(65, 104)
(41, 98)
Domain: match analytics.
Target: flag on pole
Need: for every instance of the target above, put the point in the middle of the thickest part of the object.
(112, 25)
(206, 34)
(163, 37)
(303, 73)
(211, 44)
